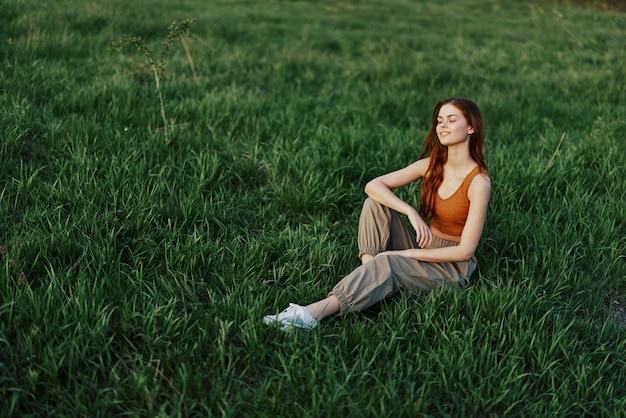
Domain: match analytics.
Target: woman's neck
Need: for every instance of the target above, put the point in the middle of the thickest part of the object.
(459, 157)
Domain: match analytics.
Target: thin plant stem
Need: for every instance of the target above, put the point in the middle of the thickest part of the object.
(176, 30)
(556, 151)
(157, 79)
(183, 41)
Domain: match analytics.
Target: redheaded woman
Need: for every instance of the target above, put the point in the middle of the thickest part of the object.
(455, 193)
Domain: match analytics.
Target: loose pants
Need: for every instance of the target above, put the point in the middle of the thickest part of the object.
(382, 229)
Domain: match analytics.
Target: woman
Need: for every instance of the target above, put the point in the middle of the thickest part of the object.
(455, 194)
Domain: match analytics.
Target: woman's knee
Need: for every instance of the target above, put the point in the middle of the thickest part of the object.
(373, 207)
(369, 203)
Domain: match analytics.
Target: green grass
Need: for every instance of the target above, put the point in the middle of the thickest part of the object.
(135, 271)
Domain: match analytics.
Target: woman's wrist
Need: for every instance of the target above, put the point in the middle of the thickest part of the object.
(414, 253)
(408, 210)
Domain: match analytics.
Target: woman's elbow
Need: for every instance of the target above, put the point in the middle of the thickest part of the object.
(466, 253)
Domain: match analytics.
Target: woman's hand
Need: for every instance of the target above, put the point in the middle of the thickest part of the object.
(423, 236)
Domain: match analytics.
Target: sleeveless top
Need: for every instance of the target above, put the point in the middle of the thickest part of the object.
(450, 214)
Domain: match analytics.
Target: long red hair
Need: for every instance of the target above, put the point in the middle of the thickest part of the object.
(439, 153)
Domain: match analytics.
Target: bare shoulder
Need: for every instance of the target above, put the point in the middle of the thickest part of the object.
(480, 187)
(418, 168)
(414, 170)
(399, 177)
(421, 165)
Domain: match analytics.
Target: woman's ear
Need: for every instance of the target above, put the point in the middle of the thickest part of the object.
(470, 130)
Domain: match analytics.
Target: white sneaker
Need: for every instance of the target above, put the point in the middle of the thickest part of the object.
(295, 316)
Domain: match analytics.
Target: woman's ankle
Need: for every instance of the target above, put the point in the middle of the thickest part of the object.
(323, 308)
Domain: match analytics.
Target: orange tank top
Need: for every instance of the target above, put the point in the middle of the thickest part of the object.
(450, 214)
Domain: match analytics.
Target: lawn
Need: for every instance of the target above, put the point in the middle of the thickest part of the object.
(142, 241)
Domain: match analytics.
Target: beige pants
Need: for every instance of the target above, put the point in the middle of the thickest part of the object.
(382, 229)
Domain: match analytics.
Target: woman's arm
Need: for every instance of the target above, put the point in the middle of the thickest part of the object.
(478, 194)
(380, 190)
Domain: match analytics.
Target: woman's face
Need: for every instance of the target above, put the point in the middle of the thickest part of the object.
(452, 127)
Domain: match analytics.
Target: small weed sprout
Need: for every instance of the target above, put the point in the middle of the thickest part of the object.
(177, 30)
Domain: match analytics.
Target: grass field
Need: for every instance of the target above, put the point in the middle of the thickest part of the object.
(135, 268)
